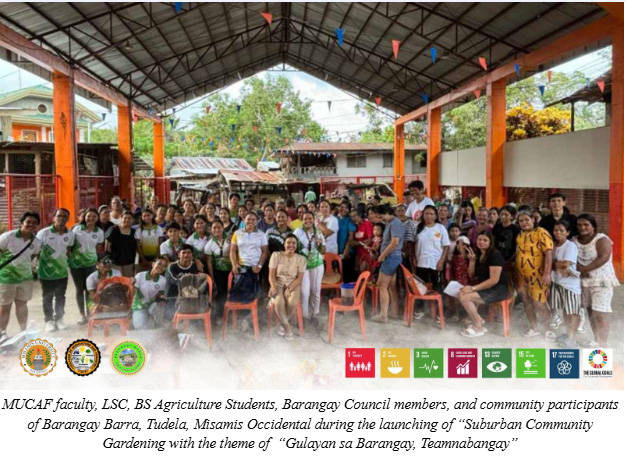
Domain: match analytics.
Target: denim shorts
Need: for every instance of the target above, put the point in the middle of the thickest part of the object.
(390, 264)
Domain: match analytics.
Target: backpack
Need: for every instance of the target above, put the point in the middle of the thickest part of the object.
(193, 294)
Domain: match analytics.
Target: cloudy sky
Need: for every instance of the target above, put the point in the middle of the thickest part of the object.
(341, 121)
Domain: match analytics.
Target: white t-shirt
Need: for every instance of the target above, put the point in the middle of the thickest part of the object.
(149, 239)
(197, 243)
(567, 252)
(167, 249)
(20, 269)
(249, 246)
(429, 245)
(331, 241)
(94, 278)
(415, 209)
(147, 289)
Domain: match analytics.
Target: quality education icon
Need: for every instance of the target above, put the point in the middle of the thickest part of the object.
(82, 357)
(128, 358)
(38, 357)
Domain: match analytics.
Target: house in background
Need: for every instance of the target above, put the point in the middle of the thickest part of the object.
(26, 116)
(310, 161)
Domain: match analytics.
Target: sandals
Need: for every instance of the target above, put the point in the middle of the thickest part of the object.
(530, 333)
(550, 336)
(280, 331)
(289, 336)
(469, 332)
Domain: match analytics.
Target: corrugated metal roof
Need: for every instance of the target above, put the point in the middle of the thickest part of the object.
(209, 166)
(344, 147)
(273, 178)
(160, 57)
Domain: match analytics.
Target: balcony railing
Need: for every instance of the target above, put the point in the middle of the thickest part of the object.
(312, 171)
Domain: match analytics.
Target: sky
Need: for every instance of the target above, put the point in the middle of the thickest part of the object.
(340, 121)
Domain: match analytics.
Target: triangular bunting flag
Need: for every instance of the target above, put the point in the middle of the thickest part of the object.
(150, 111)
(379, 100)
(542, 89)
(171, 120)
(425, 97)
(207, 109)
(330, 102)
(483, 63)
(178, 6)
(238, 109)
(395, 45)
(255, 128)
(549, 73)
(278, 107)
(104, 115)
(339, 33)
(433, 54)
(268, 17)
(601, 85)
(477, 93)
(516, 67)
(233, 127)
(279, 130)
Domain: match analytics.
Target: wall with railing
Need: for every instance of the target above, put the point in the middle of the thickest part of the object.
(337, 185)
(21, 193)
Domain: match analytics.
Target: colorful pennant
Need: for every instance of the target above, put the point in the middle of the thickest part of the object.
(542, 89)
(207, 109)
(279, 130)
(279, 105)
(477, 93)
(255, 128)
(601, 85)
(238, 109)
(268, 17)
(549, 73)
(104, 115)
(425, 97)
(395, 45)
(433, 55)
(379, 100)
(516, 67)
(171, 120)
(233, 127)
(178, 6)
(483, 63)
(330, 102)
(339, 33)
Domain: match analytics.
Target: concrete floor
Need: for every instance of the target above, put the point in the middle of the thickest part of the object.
(309, 362)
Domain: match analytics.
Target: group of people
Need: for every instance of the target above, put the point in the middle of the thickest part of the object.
(557, 263)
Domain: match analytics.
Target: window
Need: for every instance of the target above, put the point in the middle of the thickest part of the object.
(42, 108)
(357, 160)
(387, 160)
(29, 136)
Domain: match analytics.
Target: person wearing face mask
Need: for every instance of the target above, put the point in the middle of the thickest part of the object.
(17, 248)
(286, 271)
(89, 239)
(57, 242)
(149, 295)
(122, 245)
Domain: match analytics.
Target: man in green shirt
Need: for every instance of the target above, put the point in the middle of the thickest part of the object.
(17, 249)
(57, 242)
(310, 195)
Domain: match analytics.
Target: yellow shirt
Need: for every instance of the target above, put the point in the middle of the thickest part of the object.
(295, 224)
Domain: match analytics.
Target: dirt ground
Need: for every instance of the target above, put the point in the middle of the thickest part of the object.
(308, 362)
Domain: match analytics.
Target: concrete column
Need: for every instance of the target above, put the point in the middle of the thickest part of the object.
(65, 151)
(496, 137)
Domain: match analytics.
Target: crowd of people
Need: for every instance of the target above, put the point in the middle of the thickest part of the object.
(555, 263)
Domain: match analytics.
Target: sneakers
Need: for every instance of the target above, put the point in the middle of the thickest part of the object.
(50, 326)
(556, 321)
(581, 326)
(61, 325)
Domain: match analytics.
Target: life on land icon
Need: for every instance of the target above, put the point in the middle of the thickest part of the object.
(530, 363)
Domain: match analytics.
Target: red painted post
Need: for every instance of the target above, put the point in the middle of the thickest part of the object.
(97, 190)
(9, 202)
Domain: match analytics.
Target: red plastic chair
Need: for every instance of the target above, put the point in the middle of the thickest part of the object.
(413, 294)
(234, 307)
(373, 289)
(271, 313)
(506, 314)
(335, 304)
(204, 316)
(329, 258)
(106, 319)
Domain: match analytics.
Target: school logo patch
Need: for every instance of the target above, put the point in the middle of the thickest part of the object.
(38, 357)
(82, 357)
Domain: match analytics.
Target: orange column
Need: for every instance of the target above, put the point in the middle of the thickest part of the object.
(158, 154)
(432, 154)
(65, 152)
(124, 146)
(398, 160)
(496, 137)
(616, 169)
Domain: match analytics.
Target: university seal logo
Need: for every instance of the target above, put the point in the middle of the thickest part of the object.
(128, 357)
(82, 357)
(38, 357)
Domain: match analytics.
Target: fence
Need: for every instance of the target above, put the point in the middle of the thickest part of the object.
(21, 193)
(146, 187)
(337, 185)
(96, 190)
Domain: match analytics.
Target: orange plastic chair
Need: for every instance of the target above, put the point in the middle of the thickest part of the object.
(204, 316)
(106, 319)
(329, 258)
(234, 307)
(335, 304)
(413, 294)
(506, 314)
(373, 289)
(271, 313)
